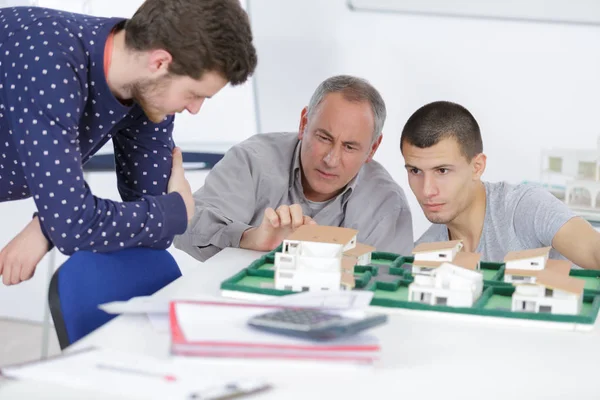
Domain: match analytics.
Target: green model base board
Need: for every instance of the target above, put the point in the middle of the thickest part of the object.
(495, 300)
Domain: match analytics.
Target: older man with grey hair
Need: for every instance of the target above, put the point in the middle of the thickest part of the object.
(270, 184)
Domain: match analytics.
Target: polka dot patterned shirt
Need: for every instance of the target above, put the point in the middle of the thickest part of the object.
(56, 111)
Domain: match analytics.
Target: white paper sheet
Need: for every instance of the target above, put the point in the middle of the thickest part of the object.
(348, 303)
(130, 375)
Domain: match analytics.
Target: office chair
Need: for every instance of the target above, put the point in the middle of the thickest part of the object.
(89, 279)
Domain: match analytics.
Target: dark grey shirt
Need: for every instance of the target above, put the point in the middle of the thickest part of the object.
(264, 171)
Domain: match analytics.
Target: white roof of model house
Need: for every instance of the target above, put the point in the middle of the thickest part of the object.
(527, 254)
(323, 234)
(436, 246)
(359, 250)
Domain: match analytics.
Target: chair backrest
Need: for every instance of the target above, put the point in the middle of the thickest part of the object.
(88, 279)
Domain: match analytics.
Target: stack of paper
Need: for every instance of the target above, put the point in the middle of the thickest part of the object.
(219, 329)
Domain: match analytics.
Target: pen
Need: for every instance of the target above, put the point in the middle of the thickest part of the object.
(168, 378)
(230, 391)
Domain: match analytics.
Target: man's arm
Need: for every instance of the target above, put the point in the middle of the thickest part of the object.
(225, 206)
(540, 219)
(579, 242)
(143, 158)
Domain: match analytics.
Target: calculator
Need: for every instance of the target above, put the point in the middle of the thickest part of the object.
(310, 323)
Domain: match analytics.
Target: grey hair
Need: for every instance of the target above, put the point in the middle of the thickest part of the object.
(355, 90)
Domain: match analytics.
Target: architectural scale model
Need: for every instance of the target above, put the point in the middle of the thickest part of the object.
(316, 257)
(454, 283)
(429, 256)
(573, 176)
(542, 285)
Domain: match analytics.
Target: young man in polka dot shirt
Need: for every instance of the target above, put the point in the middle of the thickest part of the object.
(71, 82)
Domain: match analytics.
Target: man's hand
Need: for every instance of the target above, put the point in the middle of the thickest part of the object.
(178, 183)
(21, 256)
(275, 226)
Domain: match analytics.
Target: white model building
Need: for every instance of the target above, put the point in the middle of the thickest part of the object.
(429, 256)
(517, 276)
(361, 252)
(456, 284)
(574, 177)
(520, 266)
(312, 258)
(553, 293)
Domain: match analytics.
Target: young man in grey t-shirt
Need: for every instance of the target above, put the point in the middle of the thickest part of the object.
(443, 151)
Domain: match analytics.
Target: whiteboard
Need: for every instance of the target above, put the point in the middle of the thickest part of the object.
(558, 11)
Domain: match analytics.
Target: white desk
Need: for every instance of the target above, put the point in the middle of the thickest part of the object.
(423, 356)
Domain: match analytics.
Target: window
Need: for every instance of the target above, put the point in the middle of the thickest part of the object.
(555, 164)
(422, 297)
(324, 288)
(587, 170)
(535, 263)
(287, 287)
(442, 255)
(528, 306)
(286, 275)
(545, 309)
(441, 301)
(549, 292)
(305, 288)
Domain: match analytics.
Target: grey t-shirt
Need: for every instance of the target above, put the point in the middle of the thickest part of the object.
(517, 217)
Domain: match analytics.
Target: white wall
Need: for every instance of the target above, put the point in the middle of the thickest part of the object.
(530, 85)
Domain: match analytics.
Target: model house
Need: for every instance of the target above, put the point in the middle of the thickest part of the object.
(553, 293)
(573, 175)
(429, 256)
(312, 258)
(449, 285)
(347, 279)
(361, 252)
(528, 260)
(516, 276)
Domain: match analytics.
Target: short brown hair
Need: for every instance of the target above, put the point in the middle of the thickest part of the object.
(201, 35)
(440, 120)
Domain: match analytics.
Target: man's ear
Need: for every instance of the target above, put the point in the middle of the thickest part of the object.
(374, 148)
(303, 122)
(159, 61)
(478, 163)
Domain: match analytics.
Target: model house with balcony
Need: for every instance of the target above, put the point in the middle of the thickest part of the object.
(449, 284)
(429, 256)
(553, 292)
(312, 258)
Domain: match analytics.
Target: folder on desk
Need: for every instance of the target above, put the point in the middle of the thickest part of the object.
(219, 329)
